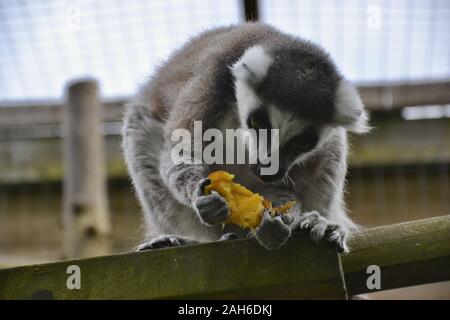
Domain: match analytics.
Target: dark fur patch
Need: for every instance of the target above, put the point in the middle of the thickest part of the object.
(302, 80)
(223, 85)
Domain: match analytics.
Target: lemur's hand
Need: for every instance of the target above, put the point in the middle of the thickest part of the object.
(321, 228)
(211, 208)
(273, 232)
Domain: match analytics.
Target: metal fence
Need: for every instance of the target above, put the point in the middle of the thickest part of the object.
(43, 44)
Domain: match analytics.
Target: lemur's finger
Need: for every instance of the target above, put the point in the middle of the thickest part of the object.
(337, 235)
(211, 201)
(287, 218)
(228, 236)
(212, 208)
(272, 232)
(202, 185)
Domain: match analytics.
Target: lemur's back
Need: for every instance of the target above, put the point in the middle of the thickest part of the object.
(201, 55)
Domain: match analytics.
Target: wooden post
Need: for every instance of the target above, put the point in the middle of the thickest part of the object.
(251, 10)
(86, 216)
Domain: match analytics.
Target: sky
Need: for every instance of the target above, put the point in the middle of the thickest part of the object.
(46, 43)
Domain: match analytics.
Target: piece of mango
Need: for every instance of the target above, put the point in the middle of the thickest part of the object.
(245, 206)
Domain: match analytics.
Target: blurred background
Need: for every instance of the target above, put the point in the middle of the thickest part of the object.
(396, 52)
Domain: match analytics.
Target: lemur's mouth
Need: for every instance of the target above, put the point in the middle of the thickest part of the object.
(256, 169)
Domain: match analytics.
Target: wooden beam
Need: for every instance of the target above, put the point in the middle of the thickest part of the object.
(227, 269)
(411, 253)
(408, 254)
(422, 142)
(375, 97)
(43, 114)
(395, 96)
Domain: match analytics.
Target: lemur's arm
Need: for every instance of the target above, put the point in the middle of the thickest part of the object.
(320, 183)
(142, 142)
(186, 180)
(320, 179)
(181, 179)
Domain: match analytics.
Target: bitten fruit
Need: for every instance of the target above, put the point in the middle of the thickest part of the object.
(245, 206)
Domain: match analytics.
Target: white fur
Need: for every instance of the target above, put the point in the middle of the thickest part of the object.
(247, 100)
(249, 70)
(288, 125)
(253, 65)
(350, 111)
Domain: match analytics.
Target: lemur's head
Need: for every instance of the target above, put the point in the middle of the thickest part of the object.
(296, 88)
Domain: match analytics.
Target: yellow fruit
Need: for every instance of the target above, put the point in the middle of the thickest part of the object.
(245, 206)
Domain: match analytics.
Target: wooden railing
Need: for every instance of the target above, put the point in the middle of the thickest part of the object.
(375, 97)
(407, 254)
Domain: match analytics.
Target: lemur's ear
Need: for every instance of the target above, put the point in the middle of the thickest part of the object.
(349, 109)
(252, 66)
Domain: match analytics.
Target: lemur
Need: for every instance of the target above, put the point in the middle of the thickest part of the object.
(244, 76)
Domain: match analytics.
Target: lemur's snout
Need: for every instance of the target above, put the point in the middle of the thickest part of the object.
(268, 178)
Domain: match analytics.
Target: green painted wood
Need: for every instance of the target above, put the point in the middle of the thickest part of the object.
(408, 254)
(231, 269)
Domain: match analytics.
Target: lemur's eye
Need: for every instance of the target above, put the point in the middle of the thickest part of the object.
(258, 120)
(305, 141)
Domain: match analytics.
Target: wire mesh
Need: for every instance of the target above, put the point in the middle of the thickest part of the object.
(43, 44)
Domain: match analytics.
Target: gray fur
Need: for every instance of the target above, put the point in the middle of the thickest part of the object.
(299, 90)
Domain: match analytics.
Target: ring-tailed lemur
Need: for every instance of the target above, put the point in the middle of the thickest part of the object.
(249, 75)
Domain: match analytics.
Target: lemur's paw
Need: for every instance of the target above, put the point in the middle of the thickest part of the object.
(228, 236)
(163, 242)
(337, 235)
(211, 208)
(320, 227)
(308, 220)
(273, 232)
